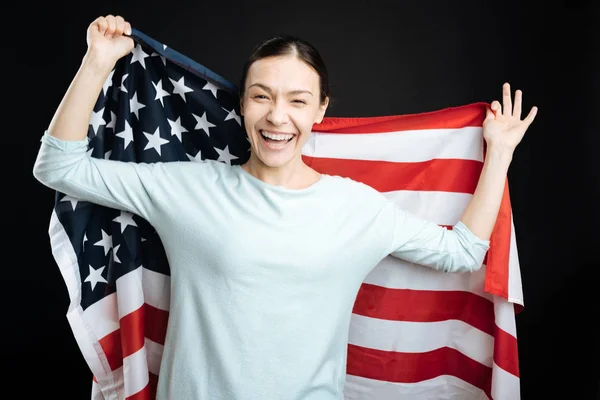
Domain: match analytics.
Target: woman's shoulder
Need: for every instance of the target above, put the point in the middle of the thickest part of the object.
(346, 186)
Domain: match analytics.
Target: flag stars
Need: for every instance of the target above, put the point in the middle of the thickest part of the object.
(135, 106)
(139, 55)
(176, 128)
(96, 120)
(196, 158)
(113, 121)
(115, 250)
(203, 124)
(105, 242)
(123, 87)
(155, 141)
(95, 276)
(160, 92)
(232, 115)
(180, 88)
(125, 219)
(126, 134)
(212, 88)
(225, 156)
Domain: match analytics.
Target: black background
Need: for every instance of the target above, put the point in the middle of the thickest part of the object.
(383, 58)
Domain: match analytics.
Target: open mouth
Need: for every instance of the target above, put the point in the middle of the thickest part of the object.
(276, 140)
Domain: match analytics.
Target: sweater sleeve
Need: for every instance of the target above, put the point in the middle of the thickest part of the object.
(65, 167)
(426, 243)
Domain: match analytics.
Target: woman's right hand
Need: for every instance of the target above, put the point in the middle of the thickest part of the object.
(106, 39)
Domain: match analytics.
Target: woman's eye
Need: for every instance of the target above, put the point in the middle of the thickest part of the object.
(299, 101)
(260, 96)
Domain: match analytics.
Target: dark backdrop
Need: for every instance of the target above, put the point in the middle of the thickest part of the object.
(384, 58)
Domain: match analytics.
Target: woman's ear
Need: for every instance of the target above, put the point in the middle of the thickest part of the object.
(322, 110)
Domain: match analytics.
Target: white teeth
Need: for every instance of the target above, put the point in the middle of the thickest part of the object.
(276, 136)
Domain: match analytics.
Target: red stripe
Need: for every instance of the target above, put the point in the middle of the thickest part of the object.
(443, 175)
(156, 324)
(147, 321)
(417, 367)
(425, 306)
(149, 391)
(448, 118)
(506, 351)
(132, 331)
(111, 346)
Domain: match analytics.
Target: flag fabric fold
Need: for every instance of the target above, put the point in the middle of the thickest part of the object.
(415, 333)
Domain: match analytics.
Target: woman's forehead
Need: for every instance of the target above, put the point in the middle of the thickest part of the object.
(288, 71)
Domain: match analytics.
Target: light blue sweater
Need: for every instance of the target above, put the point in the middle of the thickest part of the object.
(263, 278)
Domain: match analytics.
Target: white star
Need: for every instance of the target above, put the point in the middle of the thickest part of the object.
(176, 128)
(232, 115)
(96, 120)
(113, 121)
(89, 152)
(108, 82)
(155, 141)
(211, 87)
(107, 155)
(202, 123)
(106, 242)
(225, 156)
(71, 199)
(125, 219)
(135, 105)
(139, 55)
(180, 88)
(160, 92)
(95, 276)
(196, 158)
(123, 88)
(84, 239)
(126, 134)
(115, 257)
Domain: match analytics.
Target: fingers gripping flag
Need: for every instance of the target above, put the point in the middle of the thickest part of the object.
(415, 332)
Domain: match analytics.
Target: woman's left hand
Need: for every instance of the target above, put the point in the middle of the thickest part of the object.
(503, 128)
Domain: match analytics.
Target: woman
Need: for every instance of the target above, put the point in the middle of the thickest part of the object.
(266, 258)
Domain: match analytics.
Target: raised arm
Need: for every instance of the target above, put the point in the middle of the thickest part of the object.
(62, 163)
(503, 130)
(463, 248)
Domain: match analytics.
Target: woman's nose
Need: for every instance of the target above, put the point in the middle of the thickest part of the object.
(277, 114)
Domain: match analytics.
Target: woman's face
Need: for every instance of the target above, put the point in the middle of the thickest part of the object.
(280, 105)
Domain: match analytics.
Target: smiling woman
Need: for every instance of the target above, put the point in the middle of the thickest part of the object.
(284, 92)
(263, 311)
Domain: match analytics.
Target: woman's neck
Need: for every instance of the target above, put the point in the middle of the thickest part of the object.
(293, 175)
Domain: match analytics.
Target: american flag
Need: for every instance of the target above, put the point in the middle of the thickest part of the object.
(415, 333)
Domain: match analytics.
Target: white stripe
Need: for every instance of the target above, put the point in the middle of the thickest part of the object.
(505, 385)
(504, 316)
(135, 372)
(102, 317)
(441, 387)
(403, 146)
(130, 292)
(420, 337)
(515, 287)
(154, 352)
(394, 273)
(443, 208)
(156, 289)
